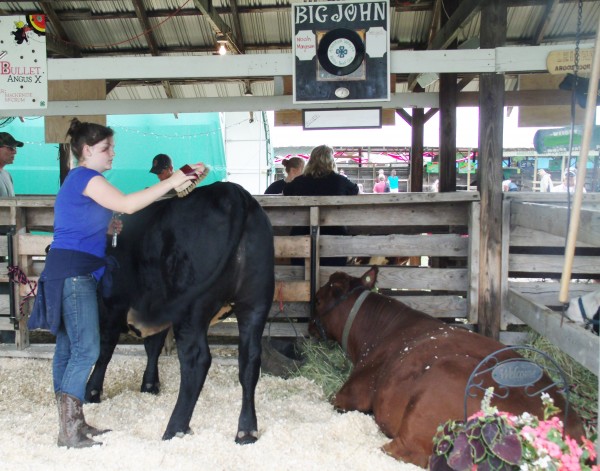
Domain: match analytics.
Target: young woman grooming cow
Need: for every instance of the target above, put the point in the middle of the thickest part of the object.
(67, 302)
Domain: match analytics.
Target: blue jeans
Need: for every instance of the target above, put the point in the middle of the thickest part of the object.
(78, 339)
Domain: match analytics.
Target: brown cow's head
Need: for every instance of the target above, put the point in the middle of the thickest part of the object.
(331, 294)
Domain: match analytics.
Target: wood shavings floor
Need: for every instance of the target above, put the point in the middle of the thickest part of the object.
(298, 428)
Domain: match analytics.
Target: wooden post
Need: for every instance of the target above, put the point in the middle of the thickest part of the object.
(491, 116)
(416, 155)
(64, 158)
(448, 95)
(448, 90)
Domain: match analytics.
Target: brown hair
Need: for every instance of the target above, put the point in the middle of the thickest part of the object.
(86, 134)
(292, 162)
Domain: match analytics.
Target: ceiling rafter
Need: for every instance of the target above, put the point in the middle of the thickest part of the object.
(237, 26)
(218, 24)
(67, 48)
(140, 12)
(447, 34)
(547, 17)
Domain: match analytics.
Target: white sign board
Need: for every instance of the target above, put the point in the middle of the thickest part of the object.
(23, 66)
(342, 118)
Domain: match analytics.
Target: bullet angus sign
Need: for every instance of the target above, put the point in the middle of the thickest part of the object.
(341, 51)
(23, 74)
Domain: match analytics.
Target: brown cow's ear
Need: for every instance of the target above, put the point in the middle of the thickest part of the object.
(369, 279)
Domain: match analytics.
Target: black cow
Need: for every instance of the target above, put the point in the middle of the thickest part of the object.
(180, 261)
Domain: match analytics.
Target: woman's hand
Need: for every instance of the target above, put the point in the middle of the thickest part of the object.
(180, 177)
(115, 226)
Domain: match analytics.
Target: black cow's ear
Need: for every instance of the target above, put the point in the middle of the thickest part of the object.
(369, 279)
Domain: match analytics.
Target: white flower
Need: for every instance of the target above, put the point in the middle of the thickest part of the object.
(543, 463)
(486, 402)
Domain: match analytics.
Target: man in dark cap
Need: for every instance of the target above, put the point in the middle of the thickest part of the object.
(8, 150)
(162, 166)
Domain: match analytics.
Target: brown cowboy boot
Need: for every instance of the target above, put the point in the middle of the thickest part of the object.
(70, 422)
(86, 429)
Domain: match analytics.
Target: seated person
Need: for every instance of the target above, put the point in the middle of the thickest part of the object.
(320, 178)
(294, 166)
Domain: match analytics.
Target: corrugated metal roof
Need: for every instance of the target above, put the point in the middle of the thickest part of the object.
(177, 27)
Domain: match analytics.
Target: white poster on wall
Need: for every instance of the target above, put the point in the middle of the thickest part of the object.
(23, 66)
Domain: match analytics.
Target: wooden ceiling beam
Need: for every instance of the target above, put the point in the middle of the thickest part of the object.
(69, 49)
(545, 21)
(140, 12)
(218, 24)
(237, 26)
(447, 34)
(60, 48)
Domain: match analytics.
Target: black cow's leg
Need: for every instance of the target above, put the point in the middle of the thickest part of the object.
(251, 329)
(194, 362)
(110, 330)
(153, 345)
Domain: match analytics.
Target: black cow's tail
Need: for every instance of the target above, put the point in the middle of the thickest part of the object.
(173, 310)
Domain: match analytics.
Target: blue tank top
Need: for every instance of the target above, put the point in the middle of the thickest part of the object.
(79, 222)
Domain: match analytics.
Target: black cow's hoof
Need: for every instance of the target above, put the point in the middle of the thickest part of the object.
(92, 396)
(168, 435)
(152, 388)
(246, 438)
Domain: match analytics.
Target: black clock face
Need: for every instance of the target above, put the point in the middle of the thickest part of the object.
(341, 51)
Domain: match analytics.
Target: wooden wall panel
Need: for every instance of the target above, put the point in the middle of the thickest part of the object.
(66, 90)
(546, 115)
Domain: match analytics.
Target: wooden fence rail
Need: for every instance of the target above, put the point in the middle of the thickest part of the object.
(436, 234)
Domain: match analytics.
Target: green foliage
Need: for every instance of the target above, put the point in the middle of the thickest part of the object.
(487, 442)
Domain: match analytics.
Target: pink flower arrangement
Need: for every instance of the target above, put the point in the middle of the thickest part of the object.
(495, 440)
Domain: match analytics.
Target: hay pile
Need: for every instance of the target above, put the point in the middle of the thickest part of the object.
(299, 430)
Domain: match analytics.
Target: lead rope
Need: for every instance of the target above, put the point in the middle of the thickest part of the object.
(17, 275)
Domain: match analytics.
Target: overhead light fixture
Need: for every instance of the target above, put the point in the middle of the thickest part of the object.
(222, 42)
(247, 88)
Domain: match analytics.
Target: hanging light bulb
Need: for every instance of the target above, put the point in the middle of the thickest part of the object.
(222, 41)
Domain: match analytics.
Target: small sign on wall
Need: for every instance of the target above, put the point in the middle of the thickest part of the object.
(342, 118)
(23, 67)
(341, 51)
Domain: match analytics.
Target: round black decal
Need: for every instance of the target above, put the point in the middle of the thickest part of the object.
(341, 51)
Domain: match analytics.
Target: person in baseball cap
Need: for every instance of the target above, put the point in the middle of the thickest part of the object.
(162, 166)
(569, 182)
(8, 150)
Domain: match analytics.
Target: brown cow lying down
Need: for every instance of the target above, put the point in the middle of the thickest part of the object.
(410, 369)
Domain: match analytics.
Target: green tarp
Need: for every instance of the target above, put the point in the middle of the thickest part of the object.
(189, 138)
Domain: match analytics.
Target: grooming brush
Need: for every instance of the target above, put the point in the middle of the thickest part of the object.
(186, 188)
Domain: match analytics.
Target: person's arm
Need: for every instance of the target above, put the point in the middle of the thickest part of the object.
(351, 187)
(105, 194)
